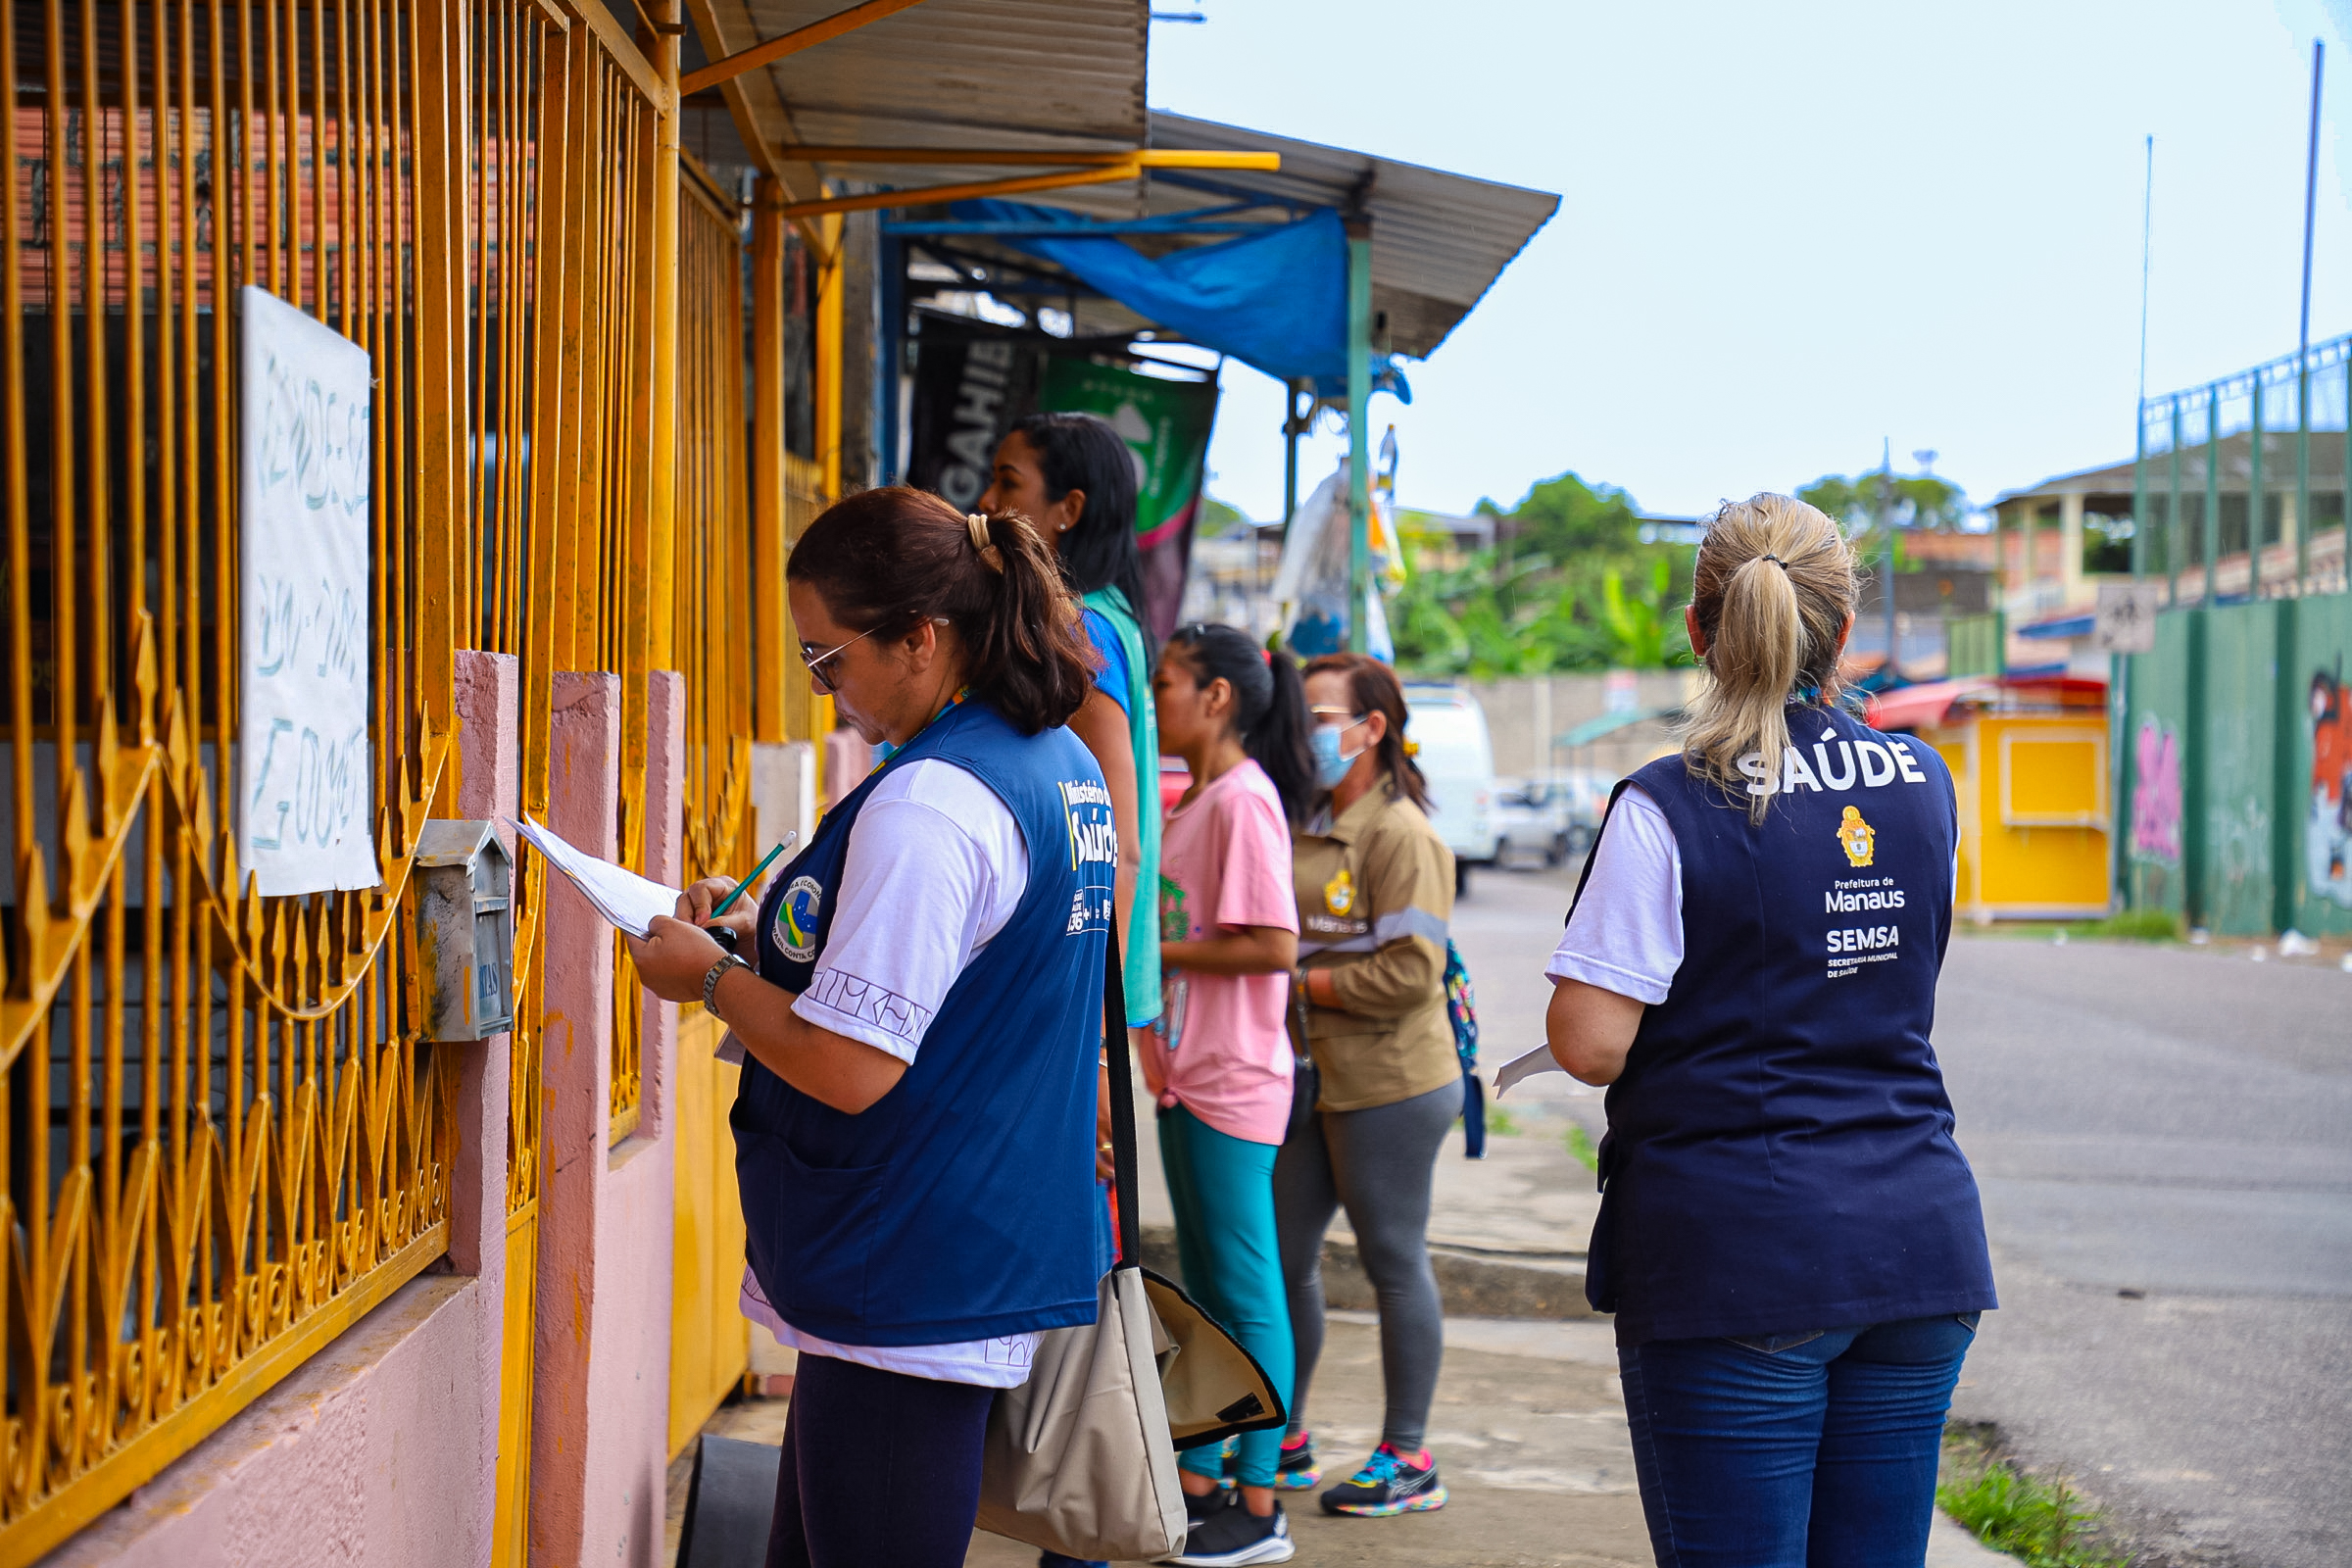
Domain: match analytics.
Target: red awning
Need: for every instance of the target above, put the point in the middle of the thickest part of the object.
(1922, 707)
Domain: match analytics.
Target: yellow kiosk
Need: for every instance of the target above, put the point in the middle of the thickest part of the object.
(2029, 757)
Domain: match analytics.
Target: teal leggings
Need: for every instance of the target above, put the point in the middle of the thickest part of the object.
(1222, 1188)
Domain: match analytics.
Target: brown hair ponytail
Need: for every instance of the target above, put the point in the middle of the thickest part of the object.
(1773, 592)
(889, 559)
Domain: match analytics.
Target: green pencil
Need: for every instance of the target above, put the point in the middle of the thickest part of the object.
(728, 902)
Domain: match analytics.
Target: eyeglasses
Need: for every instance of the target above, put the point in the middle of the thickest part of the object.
(816, 662)
(1349, 717)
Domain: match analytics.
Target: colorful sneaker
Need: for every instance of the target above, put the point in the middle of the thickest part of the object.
(1388, 1483)
(1229, 1536)
(1297, 1470)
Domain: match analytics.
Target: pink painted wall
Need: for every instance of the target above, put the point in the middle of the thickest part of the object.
(600, 1415)
(384, 1446)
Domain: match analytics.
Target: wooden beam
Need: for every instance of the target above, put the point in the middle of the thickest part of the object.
(1024, 157)
(952, 193)
(626, 54)
(791, 43)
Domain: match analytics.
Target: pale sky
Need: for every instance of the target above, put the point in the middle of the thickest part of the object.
(1790, 231)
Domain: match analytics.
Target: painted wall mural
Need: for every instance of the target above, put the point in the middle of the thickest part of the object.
(2328, 830)
(2156, 793)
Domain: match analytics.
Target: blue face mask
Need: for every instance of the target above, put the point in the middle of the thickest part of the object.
(1330, 766)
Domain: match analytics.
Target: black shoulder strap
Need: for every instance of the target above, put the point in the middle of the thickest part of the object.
(1594, 854)
(1122, 1103)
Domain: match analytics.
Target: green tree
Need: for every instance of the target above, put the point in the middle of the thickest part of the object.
(1912, 502)
(1569, 585)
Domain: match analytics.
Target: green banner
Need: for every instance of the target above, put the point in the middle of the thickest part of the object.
(1164, 423)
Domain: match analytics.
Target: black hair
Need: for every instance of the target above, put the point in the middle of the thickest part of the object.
(886, 561)
(1373, 688)
(1082, 452)
(1269, 707)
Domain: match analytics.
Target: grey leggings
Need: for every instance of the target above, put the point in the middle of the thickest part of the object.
(1378, 1165)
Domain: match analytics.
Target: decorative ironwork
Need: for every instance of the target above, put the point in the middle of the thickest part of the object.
(224, 1139)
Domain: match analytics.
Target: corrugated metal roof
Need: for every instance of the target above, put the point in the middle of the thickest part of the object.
(1013, 73)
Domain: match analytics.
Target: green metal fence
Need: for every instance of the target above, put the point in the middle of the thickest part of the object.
(2235, 480)
(2236, 740)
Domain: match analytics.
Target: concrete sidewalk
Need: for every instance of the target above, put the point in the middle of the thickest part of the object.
(1529, 1429)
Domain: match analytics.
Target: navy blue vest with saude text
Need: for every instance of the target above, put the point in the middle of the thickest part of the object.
(1779, 1155)
(959, 1207)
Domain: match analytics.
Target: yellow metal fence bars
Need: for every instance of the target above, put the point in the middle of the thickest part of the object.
(713, 569)
(509, 278)
(223, 1140)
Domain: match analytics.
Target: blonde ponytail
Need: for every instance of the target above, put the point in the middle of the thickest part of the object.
(1773, 593)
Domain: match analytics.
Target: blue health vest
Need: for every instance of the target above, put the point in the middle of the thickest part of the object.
(959, 1205)
(1779, 1155)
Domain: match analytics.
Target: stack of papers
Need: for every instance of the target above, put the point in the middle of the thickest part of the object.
(629, 901)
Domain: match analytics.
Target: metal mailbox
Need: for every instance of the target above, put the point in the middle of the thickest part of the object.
(465, 927)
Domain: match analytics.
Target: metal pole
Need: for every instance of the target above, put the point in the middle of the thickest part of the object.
(1290, 454)
(2311, 191)
(1359, 431)
(662, 501)
(2213, 490)
(890, 262)
(2139, 493)
(771, 631)
(2139, 432)
(1887, 522)
(2258, 507)
(2175, 536)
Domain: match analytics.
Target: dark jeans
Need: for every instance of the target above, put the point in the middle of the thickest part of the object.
(1794, 1450)
(878, 1467)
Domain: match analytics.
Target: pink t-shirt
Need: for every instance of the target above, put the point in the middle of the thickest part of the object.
(1219, 1048)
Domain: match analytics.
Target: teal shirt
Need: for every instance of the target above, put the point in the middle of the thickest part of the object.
(1142, 969)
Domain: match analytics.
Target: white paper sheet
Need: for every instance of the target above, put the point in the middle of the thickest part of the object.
(629, 901)
(1535, 1061)
(305, 812)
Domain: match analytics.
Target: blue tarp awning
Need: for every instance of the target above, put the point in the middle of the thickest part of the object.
(1276, 300)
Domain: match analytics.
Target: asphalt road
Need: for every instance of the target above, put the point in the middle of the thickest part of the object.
(2164, 1140)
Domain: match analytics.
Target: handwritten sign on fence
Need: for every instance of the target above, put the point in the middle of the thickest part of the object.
(304, 771)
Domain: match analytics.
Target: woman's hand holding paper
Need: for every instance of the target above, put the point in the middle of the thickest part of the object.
(673, 957)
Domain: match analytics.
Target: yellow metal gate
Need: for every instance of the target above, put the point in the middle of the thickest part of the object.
(223, 1141)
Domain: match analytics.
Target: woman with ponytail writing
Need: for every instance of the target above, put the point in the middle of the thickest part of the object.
(915, 1132)
(1788, 1237)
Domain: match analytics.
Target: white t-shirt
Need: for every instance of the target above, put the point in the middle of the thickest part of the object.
(1626, 935)
(936, 865)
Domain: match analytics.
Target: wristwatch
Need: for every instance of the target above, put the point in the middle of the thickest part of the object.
(711, 979)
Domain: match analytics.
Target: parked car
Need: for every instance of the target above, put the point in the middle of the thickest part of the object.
(1533, 818)
(1457, 756)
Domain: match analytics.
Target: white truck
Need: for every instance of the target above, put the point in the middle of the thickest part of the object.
(1455, 755)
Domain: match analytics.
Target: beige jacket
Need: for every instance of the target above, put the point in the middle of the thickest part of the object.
(1375, 896)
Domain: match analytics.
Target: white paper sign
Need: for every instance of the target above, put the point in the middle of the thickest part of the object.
(305, 817)
(2126, 619)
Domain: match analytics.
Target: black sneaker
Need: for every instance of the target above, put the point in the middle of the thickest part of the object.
(1297, 1470)
(1229, 1535)
(1388, 1483)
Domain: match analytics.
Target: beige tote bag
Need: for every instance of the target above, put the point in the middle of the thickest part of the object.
(1081, 1460)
